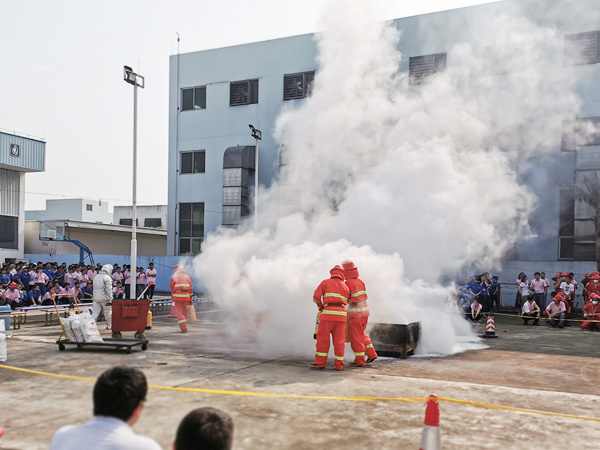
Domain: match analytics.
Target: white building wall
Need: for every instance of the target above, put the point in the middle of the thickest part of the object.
(143, 213)
(73, 209)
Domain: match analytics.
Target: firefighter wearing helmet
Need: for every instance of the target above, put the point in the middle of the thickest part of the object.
(181, 291)
(331, 297)
(591, 313)
(358, 316)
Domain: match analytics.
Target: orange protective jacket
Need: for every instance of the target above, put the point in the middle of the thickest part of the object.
(181, 287)
(592, 288)
(589, 308)
(331, 297)
(358, 297)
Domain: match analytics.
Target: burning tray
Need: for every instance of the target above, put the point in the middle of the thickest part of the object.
(396, 340)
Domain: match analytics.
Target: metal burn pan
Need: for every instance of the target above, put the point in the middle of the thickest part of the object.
(395, 340)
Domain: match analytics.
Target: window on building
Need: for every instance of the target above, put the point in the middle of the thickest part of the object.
(89, 207)
(566, 226)
(9, 232)
(298, 85)
(193, 162)
(421, 67)
(243, 92)
(580, 133)
(153, 222)
(191, 228)
(128, 222)
(193, 98)
(582, 48)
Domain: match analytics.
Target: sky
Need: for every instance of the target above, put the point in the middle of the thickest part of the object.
(62, 80)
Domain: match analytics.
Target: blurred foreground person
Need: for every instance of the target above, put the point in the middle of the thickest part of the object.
(103, 294)
(204, 429)
(591, 313)
(331, 297)
(358, 317)
(119, 396)
(181, 291)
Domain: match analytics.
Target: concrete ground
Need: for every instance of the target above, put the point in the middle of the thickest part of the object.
(555, 370)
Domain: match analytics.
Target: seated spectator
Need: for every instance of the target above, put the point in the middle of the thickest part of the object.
(475, 310)
(556, 311)
(13, 296)
(4, 278)
(34, 297)
(65, 295)
(118, 291)
(119, 395)
(591, 313)
(465, 305)
(88, 292)
(204, 429)
(531, 310)
(47, 298)
(76, 291)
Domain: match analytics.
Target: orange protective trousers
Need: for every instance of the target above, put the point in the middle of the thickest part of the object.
(181, 312)
(337, 329)
(359, 340)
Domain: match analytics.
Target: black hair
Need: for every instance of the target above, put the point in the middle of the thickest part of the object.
(537, 273)
(205, 429)
(523, 278)
(530, 297)
(119, 391)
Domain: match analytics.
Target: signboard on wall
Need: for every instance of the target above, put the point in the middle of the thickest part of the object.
(15, 150)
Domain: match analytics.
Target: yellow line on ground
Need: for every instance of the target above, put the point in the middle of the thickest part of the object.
(313, 397)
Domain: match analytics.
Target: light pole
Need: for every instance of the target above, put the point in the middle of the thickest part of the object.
(257, 135)
(136, 80)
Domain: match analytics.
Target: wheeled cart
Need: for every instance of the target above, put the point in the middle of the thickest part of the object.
(117, 344)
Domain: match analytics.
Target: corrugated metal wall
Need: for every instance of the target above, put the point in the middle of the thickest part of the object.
(31, 152)
(9, 192)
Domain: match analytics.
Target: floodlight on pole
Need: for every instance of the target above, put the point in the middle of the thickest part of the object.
(257, 135)
(137, 81)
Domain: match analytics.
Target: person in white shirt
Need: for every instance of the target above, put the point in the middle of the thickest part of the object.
(119, 395)
(151, 280)
(531, 311)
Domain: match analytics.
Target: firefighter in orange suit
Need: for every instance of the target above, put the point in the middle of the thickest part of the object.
(358, 316)
(181, 291)
(331, 297)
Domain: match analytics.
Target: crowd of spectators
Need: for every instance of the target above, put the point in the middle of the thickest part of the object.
(480, 293)
(28, 284)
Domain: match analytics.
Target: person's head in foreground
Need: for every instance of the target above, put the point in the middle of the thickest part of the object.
(120, 392)
(204, 429)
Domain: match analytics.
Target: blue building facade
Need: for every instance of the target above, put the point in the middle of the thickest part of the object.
(215, 94)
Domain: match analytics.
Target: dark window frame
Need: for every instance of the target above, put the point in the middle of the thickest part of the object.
(196, 91)
(89, 207)
(128, 222)
(437, 61)
(574, 44)
(194, 163)
(191, 219)
(152, 222)
(9, 232)
(306, 84)
(238, 96)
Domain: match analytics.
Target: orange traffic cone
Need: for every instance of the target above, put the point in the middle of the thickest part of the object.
(490, 328)
(173, 313)
(431, 439)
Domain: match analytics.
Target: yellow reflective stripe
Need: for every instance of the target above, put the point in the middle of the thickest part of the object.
(335, 313)
(182, 285)
(315, 301)
(359, 354)
(359, 293)
(369, 346)
(335, 295)
(181, 321)
(181, 295)
(358, 309)
(321, 354)
(339, 358)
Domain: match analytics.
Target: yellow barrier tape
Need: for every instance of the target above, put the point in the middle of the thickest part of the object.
(316, 397)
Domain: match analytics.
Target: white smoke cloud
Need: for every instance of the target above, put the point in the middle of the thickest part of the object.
(413, 183)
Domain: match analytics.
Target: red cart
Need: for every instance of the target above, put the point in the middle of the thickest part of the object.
(129, 315)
